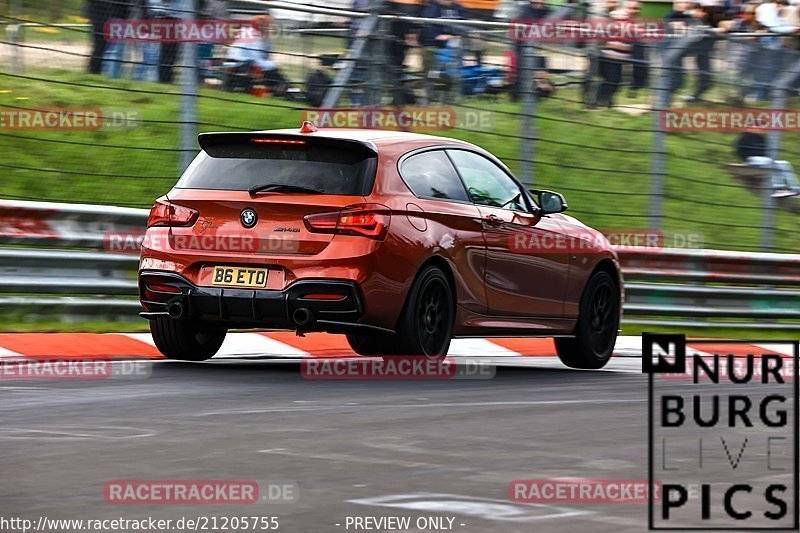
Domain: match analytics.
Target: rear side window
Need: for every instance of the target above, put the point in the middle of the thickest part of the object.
(241, 166)
(431, 175)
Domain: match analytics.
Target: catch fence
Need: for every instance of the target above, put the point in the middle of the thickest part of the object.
(561, 115)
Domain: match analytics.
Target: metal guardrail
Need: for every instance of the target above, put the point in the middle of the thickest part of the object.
(708, 288)
(65, 258)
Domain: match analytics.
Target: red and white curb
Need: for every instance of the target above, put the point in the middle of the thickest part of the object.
(287, 345)
(272, 344)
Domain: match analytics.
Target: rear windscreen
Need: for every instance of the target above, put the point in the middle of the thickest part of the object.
(241, 166)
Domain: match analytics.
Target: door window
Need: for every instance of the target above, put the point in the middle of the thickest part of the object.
(487, 184)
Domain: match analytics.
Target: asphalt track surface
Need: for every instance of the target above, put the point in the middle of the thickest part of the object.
(357, 448)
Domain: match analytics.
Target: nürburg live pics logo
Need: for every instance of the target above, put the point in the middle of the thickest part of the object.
(722, 433)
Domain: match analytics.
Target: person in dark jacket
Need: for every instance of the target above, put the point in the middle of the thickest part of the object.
(319, 81)
(532, 11)
(745, 52)
(676, 24)
(400, 34)
(435, 37)
(99, 12)
(612, 57)
(640, 71)
(166, 10)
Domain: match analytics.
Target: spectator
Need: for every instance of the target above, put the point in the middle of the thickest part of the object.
(166, 10)
(769, 15)
(702, 51)
(146, 67)
(533, 10)
(216, 10)
(253, 70)
(254, 51)
(745, 51)
(607, 7)
(792, 12)
(693, 23)
(114, 53)
(98, 12)
(354, 24)
(319, 81)
(402, 36)
(613, 55)
(678, 19)
(434, 38)
(359, 75)
(640, 71)
(751, 147)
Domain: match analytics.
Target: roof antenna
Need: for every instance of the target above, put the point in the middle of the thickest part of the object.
(308, 127)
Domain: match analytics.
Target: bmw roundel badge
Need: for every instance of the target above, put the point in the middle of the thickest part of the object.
(248, 218)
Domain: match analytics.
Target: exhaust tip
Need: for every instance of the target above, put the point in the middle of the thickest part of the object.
(303, 316)
(175, 310)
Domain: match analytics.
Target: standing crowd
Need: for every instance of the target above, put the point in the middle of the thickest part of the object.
(760, 37)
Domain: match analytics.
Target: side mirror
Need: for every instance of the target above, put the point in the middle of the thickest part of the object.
(549, 201)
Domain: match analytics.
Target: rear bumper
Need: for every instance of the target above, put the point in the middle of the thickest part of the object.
(289, 308)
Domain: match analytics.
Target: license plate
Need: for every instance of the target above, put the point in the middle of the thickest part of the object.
(254, 278)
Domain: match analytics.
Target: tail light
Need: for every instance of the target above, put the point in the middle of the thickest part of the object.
(165, 213)
(366, 220)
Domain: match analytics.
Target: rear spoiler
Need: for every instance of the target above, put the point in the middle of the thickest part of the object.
(207, 140)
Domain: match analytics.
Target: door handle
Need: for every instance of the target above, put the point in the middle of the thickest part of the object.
(493, 221)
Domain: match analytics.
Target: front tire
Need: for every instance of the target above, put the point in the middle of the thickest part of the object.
(186, 340)
(596, 331)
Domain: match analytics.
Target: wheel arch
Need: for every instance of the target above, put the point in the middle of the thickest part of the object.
(611, 266)
(442, 264)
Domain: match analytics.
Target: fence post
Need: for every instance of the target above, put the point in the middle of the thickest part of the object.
(376, 57)
(15, 34)
(189, 75)
(657, 164)
(526, 72)
(354, 55)
(773, 150)
(671, 59)
(526, 67)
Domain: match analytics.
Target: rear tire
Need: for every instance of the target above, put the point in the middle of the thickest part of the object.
(186, 340)
(596, 331)
(426, 323)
